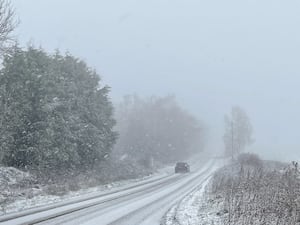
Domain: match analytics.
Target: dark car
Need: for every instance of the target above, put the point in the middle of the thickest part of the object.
(182, 167)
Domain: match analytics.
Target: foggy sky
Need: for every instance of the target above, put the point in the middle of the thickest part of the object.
(210, 54)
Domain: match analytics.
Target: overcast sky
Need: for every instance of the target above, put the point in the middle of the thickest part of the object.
(211, 54)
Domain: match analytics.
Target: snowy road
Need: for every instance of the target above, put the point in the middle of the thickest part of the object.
(141, 205)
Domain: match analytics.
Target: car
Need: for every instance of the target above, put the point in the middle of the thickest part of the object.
(182, 167)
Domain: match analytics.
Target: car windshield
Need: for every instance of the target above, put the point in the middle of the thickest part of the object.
(155, 112)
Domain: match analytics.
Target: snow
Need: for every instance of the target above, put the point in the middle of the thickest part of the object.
(210, 206)
(192, 209)
(10, 176)
(37, 197)
(13, 185)
(150, 207)
(143, 208)
(187, 212)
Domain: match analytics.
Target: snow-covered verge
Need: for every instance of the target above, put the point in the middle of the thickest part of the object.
(21, 190)
(15, 184)
(252, 192)
(247, 191)
(192, 210)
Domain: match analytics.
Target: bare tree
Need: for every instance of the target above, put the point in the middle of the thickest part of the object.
(7, 25)
(238, 132)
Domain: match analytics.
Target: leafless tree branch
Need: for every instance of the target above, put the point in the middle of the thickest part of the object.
(8, 23)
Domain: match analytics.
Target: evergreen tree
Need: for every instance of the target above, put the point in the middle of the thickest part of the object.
(56, 113)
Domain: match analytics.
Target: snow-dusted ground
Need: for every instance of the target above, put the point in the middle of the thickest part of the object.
(265, 194)
(196, 209)
(141, 205)
(20, 199)
(40, 198)
(144, 208)
(155, 195)
(192, 209)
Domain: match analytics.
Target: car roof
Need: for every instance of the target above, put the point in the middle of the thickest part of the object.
(181, 163)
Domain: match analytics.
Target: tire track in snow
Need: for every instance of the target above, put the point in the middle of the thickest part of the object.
(185, 212)
(153, 212)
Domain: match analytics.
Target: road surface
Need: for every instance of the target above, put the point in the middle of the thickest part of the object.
(144, 204)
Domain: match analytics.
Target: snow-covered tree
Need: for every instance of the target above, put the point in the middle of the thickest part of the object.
(56, 115)
(7, 26)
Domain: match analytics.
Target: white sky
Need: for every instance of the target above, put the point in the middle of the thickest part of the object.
(210, 54)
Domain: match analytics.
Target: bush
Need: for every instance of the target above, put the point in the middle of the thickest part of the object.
(249, 159)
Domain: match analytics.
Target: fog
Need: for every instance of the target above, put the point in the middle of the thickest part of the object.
(210, 54)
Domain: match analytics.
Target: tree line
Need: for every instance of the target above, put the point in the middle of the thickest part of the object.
(156, 129)
(56, 115)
